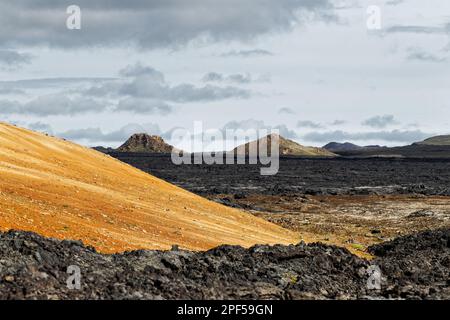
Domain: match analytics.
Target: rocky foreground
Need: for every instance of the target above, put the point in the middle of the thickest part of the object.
(413, 267)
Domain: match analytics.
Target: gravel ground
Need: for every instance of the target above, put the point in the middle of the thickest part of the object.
(412, 267)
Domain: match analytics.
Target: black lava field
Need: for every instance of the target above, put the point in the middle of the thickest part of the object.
(327, 176)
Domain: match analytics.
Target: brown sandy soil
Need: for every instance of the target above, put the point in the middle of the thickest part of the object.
(354, 222)
(62, 190)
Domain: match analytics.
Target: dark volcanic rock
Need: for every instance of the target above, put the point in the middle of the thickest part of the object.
(297, 175)
(33, 267)
(416, 266)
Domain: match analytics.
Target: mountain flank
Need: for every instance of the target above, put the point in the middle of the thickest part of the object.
(346, 146)
(62, 190)
(286, 147)
(436, 141)
(434, 147)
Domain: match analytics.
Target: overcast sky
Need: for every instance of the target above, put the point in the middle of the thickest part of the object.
(310, 68)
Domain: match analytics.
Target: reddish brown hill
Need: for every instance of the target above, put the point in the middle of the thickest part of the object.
(286, 147)
(142, 142)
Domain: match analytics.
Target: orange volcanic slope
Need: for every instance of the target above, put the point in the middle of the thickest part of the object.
(62, 190)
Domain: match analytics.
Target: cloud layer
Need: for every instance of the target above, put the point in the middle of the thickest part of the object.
(247, 53)
(388, 136)
(152, 24)
(50, 105)
(140, 89)
(145, 82)
(380, 121)
(237, 78)
(120, 135)
(11, 59)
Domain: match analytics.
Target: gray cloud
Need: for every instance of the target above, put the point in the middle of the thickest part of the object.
(21, 86)
(308, 124)
(286, 111)
(394, 2)
(420, 55)
(62, 104)
(213, 77)
(389, 136)
(240, 78)
(8, 90)
(139, 69)
(151, 24)
(120, 135)
(10, 59)
(380, 121)
(143, 106)
(286, 132)
(141, 90)
(189, 93)
(148, 83)
(41, 127)
(247, 53)
(234, 78)
(418, 29)
(52, 104)
(338, 122)
(245, 125)
(252, 124)
(237, 78)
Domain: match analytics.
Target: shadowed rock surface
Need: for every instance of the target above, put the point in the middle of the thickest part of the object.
(416, 266)
(33, 267)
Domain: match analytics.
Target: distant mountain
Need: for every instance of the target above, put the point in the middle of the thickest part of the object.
(142, 142)
(348, 148)
(103, 149)
(436, 141)
(434, 147)
(337, 147)
(287, 147)
(410, 151)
